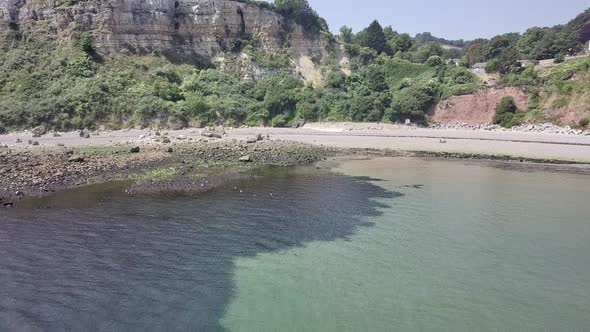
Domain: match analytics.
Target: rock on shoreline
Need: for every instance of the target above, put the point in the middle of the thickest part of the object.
(545, 128)
(41, 171)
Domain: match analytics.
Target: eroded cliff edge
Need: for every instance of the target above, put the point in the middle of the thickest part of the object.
(183, 30)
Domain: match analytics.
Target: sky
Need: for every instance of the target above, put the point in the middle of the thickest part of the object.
(450, 19)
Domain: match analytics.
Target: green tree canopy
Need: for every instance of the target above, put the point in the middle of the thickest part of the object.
(496, 46)
(374, 37)
(389, 32)
(400, 43)
(475, 54)
(302, 13)
(346, 34)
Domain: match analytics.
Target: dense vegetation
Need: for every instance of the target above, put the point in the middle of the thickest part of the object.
(505, 54)
(393, 77)
(72, 87)
(503, 51)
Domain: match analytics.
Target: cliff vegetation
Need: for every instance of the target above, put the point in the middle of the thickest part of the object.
(257, 69)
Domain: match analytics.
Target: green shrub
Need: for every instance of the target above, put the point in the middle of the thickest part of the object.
(301, 12)
(81, 66)
(194, 108)
(410, 103)
(560, 58)
(86, 42)
(506, 113)
(584, 122)
(434, 61)
(492, 66)
(506, 105)
(279, 121)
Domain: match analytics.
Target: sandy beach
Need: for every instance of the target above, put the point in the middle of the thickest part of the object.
(530, 145)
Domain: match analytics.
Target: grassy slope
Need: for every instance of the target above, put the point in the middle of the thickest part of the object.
(560, 95)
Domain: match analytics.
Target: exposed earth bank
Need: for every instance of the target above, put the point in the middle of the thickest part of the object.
(477, 108)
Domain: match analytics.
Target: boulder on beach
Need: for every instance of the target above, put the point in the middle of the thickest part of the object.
(298, 123)
(85, 133)
(245, 159)
(76, 159)
(39, 131)
(211, 134)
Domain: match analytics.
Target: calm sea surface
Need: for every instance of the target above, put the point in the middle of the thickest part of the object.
(377, 245)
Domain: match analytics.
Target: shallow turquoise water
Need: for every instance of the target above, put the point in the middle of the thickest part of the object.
(420, 245)
(467, 247)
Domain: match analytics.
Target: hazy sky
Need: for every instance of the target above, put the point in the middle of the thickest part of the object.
(451, 19)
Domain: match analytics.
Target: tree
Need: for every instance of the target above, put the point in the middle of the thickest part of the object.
(424, 38)
(496, 46)
(86, 43)
(346, 34)
(375, 37)
(302, 13)
(389, 33)
(400, 43)
(434, 61)
(426, 51)
(374, 77)
(585, 32)
(411, 103)
(475, 54)
(529, 40)
(505, 112)
(508, 61)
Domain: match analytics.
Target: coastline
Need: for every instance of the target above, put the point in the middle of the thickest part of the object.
(195, 160)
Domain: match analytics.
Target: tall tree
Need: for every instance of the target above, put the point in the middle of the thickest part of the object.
(389, 32)
(496, 46)
(346, 34)
(375, 37)
(475, 54)
(529, 41)
(401, 43)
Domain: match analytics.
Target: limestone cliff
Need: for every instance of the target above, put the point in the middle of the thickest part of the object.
(184, 30)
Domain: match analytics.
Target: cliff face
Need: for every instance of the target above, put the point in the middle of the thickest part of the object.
(182, 29)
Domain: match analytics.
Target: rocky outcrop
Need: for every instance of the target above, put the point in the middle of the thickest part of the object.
(477, 108)
(184, 30)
